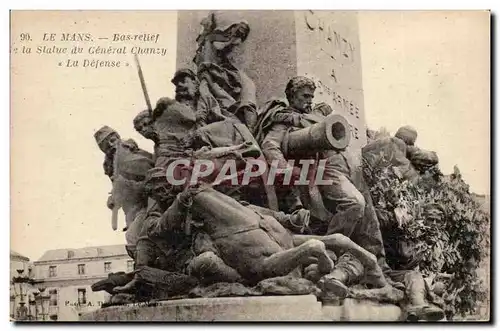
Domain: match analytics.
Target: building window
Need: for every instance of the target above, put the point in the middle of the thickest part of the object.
(53, 297)
(81, 269)
(107, 266)
(52, 271)
(130, 265)
(82, 296)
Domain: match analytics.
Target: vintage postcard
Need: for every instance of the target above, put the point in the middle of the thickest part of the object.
(250, 166)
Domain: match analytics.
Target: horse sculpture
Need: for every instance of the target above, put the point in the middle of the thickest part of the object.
(251, 241)
(257, 246)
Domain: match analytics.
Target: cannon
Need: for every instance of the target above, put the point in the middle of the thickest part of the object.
(333, 133)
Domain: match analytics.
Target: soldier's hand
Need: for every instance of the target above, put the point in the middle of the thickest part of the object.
(163, 104)
(297, 118)
(186, 196)
(188, 140)
(200, 124)
(110, 203)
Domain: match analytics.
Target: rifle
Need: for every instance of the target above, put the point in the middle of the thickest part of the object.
(116, 171)
(143, 85)
(116, 208)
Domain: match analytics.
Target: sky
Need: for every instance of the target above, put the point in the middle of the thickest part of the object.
(428, 70)
(431, 70)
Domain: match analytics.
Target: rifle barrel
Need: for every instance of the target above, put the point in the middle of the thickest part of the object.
(143, 84)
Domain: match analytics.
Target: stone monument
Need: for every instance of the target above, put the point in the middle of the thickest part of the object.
(275, 46)
(323, 45)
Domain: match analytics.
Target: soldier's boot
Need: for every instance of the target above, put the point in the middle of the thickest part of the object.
(311, 271)
(113, 280)
(130, 287)
(418, 308)
(145, 256)
(347, 271)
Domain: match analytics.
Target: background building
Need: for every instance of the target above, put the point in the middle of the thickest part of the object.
(62, 280)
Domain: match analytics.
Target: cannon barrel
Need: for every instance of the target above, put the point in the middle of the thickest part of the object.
(331, 134)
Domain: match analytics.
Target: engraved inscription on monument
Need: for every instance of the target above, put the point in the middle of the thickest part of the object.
(330, 54)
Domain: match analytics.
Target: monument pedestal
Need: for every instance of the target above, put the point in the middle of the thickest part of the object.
(248, 309)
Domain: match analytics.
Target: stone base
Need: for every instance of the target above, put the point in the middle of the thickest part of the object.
(270, 308)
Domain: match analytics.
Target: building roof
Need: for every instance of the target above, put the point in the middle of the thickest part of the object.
(83, 253)
(16, 256)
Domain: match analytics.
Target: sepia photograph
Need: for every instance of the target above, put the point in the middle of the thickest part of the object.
(250, 166)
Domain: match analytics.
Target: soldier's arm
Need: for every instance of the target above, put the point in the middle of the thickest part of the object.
(161, 105)
(205, 103)
(271, 146)
(287, 118)
(209, 105)
(171, 220)
(174, 217)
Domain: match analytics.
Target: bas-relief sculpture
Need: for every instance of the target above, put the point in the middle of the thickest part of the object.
(213, 239)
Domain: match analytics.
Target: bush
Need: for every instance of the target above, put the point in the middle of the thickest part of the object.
(441, 224)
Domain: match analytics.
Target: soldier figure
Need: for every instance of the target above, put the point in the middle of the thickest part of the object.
(397, 151)
(107, 138)
(172, 121)
(143, 124)
(179, 236)
(163, 242)
(345, 203)
(186, 87)
(224, 88)
(133, 167)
